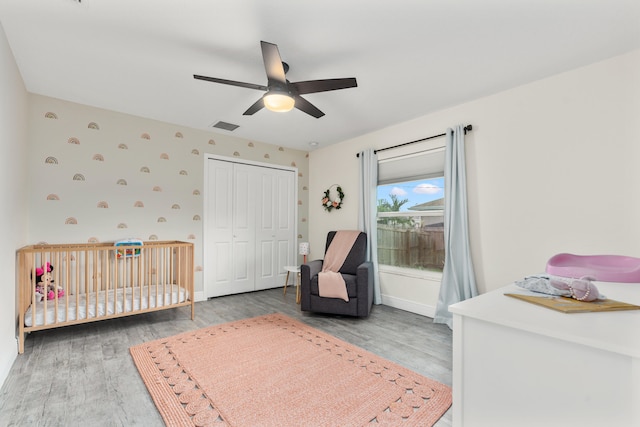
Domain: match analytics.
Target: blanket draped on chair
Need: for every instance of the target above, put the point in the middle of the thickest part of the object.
(330, 281)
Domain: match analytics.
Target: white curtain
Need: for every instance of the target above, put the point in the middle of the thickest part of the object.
(367, 212)
(458, 279)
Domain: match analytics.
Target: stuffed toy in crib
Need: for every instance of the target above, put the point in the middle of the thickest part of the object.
(45, 285)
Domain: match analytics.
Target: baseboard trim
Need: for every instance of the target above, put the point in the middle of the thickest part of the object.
(391, 301)
(410, 306)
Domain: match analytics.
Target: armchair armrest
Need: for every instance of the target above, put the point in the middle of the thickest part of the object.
(307, 271)
(365, 288)
(312, 267)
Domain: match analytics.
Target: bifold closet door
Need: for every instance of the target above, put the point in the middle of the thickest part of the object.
(275, 229)
(230, 229)
(250, 231)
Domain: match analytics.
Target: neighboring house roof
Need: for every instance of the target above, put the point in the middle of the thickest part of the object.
(437, 225)
(437, 204)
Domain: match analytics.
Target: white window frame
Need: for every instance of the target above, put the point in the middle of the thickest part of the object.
(435, 147)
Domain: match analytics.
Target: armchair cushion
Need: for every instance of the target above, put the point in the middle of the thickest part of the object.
(349, 279)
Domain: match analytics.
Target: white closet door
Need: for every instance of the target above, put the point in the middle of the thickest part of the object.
(275, 226)
(266, 273)
(244, 219)
(285, 223)
(250, 226)
(228, 247)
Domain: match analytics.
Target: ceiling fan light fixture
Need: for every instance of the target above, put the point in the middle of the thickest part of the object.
(281, 94)
(279, 102)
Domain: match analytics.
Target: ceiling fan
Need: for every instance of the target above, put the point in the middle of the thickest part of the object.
(283, 95)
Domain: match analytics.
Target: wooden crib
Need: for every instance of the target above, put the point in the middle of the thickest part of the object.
(100, 281)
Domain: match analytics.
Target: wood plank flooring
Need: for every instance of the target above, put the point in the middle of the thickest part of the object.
(83, 375)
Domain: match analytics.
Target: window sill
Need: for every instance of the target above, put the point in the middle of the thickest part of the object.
(411, 272)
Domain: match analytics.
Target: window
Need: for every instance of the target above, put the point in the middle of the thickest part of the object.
(411, 224)
(411, 210)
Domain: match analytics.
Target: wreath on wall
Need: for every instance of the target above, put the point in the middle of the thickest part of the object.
(328, 203)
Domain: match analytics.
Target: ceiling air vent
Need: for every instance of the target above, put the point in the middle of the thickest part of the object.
(226, 126)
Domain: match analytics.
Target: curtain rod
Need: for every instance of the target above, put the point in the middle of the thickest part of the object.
(467, 128)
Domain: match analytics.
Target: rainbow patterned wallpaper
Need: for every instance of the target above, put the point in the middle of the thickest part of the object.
(100, 176)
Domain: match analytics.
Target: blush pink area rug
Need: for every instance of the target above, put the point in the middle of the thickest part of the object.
(275, 371)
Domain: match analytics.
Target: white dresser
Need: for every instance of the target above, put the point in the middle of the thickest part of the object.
(516, 364)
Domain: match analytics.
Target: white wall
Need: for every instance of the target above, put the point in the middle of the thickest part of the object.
(13, 227)
(552, 166)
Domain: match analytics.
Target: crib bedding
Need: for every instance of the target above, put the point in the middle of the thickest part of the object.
(134, 299)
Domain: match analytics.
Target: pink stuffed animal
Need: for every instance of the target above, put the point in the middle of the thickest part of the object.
(45, 285)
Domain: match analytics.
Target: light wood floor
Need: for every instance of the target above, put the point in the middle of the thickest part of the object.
(83, 375)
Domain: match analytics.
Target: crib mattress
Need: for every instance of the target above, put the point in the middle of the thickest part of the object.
(106, 304)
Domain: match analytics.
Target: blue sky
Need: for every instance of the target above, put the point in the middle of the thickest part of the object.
(421, 191)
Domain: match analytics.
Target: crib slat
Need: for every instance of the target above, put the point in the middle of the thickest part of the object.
(67, 260)
(55, 258)
(94, 282)
(157, 274)
(140, 281)
(130, 282)
(79, 259)
(164, 274)
(114, 275)
(148, 253)
(126, 276)
(32, 293)
(44, 300)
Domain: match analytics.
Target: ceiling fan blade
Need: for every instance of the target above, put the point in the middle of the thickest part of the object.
(230, 82)
(304, 105)
(255, 107)
(313, 86)
(273, 63)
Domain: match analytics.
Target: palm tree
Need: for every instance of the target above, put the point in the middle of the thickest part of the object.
(394, 206)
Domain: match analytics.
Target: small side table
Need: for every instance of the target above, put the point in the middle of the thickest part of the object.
(293, 269)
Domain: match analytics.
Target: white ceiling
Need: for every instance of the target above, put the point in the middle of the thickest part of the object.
(410, 57)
